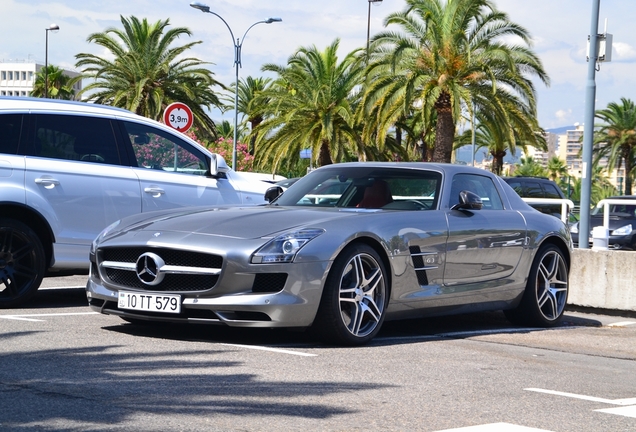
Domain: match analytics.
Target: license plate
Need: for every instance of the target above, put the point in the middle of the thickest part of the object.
(167, 303)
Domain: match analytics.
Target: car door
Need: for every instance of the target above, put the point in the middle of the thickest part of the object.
(74, 178)
(483, 245)
(172, 172)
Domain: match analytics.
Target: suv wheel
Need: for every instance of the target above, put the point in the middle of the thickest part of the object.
(21, 263)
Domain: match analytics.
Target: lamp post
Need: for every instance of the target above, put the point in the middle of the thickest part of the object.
(238, 44)
(369, 24)
(53, 28)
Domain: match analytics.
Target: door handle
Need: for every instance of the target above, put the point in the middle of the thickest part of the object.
(154, 191)
(47, 182)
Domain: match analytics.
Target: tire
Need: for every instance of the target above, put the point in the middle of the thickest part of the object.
(546, 292)
(22, 264)
(354, 299)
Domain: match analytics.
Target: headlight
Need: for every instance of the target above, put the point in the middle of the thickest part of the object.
(575, 228)
(284, 248)
(624, 230)
(103, 234)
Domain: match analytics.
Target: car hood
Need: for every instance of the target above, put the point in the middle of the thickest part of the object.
(615, 221)
(238, 222)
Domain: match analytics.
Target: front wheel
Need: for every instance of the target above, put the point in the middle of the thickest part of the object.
(21, 263)
(546, 292)
(354, 299)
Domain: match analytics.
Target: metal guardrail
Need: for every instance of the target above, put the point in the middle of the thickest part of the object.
(566, 205)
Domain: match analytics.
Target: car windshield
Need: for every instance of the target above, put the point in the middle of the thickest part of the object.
(622, 210)
(365, 187)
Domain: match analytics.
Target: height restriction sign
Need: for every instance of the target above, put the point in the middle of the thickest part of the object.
(178, 116)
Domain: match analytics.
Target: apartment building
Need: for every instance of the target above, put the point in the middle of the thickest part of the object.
(18, 77)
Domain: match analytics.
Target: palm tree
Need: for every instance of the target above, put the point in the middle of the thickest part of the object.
(311, 104)
(557, 169)
(250, 106)
(452, 57)
(145, 74)
(499, 140)
(60, 84)
(531, 168)
(616, 138)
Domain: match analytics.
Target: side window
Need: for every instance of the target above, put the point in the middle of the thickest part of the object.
(551, 191)
(534, 190)
(157, 149)
(10, 126)
(75, 138)
(480, 185)
(516, 185)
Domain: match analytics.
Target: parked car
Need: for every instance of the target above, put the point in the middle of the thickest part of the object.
(538, 187)
(401, 240)
(622, 225)
(285, 183)
(69, 169)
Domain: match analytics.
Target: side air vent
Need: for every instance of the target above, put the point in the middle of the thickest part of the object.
(423, 261)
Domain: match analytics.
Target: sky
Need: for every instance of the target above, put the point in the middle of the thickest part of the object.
(559, 29)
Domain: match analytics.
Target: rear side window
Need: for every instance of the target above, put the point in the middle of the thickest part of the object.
(75, 138)
(10, 128)
(534, 190)
(551, 191)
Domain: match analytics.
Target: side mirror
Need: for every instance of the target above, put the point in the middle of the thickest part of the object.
(468, 201)
(272, 193)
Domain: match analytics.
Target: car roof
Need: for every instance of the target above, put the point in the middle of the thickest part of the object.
(446, 168)
(8, 103)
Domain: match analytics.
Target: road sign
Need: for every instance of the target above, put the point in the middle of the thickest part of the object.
(178, 116)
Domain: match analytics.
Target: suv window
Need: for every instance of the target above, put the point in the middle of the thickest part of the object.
(75, 138)
(159, 150)
(10, 126)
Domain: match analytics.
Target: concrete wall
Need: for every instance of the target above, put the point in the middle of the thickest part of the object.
(603, 279)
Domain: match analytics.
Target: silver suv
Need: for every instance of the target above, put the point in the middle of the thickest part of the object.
(69, 169)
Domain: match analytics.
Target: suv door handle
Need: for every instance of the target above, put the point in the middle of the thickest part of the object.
(47, 182)
(154, 191)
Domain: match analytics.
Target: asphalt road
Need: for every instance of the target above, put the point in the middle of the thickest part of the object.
(65, 368)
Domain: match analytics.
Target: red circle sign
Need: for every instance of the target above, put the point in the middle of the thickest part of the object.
(178, 116)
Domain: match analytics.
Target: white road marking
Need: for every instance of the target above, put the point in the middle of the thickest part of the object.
(631, 401)
(628, 411)
(18, 318)
(276, 350)
(495, 427)
(25, 317)
(622, 324)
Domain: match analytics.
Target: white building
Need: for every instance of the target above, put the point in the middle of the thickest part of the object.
(18, 78)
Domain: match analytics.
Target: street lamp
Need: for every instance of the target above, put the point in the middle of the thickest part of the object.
(238, 44)
(53, 28)
(369, 24)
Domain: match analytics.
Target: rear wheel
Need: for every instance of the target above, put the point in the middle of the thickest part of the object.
(546, 293)
(354, 299)
(22, 264)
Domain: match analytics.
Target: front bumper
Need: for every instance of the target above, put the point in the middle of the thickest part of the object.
(295, 305)
(613, 242)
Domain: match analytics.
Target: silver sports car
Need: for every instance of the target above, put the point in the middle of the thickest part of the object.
(344, 248)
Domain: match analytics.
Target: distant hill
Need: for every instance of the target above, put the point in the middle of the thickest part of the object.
(561, 130)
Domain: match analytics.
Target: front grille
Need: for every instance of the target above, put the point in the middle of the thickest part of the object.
(117, 266)
(170, 256)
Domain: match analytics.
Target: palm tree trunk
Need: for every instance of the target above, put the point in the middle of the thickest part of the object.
(628, 176)
(445, 130)
(324, 158)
